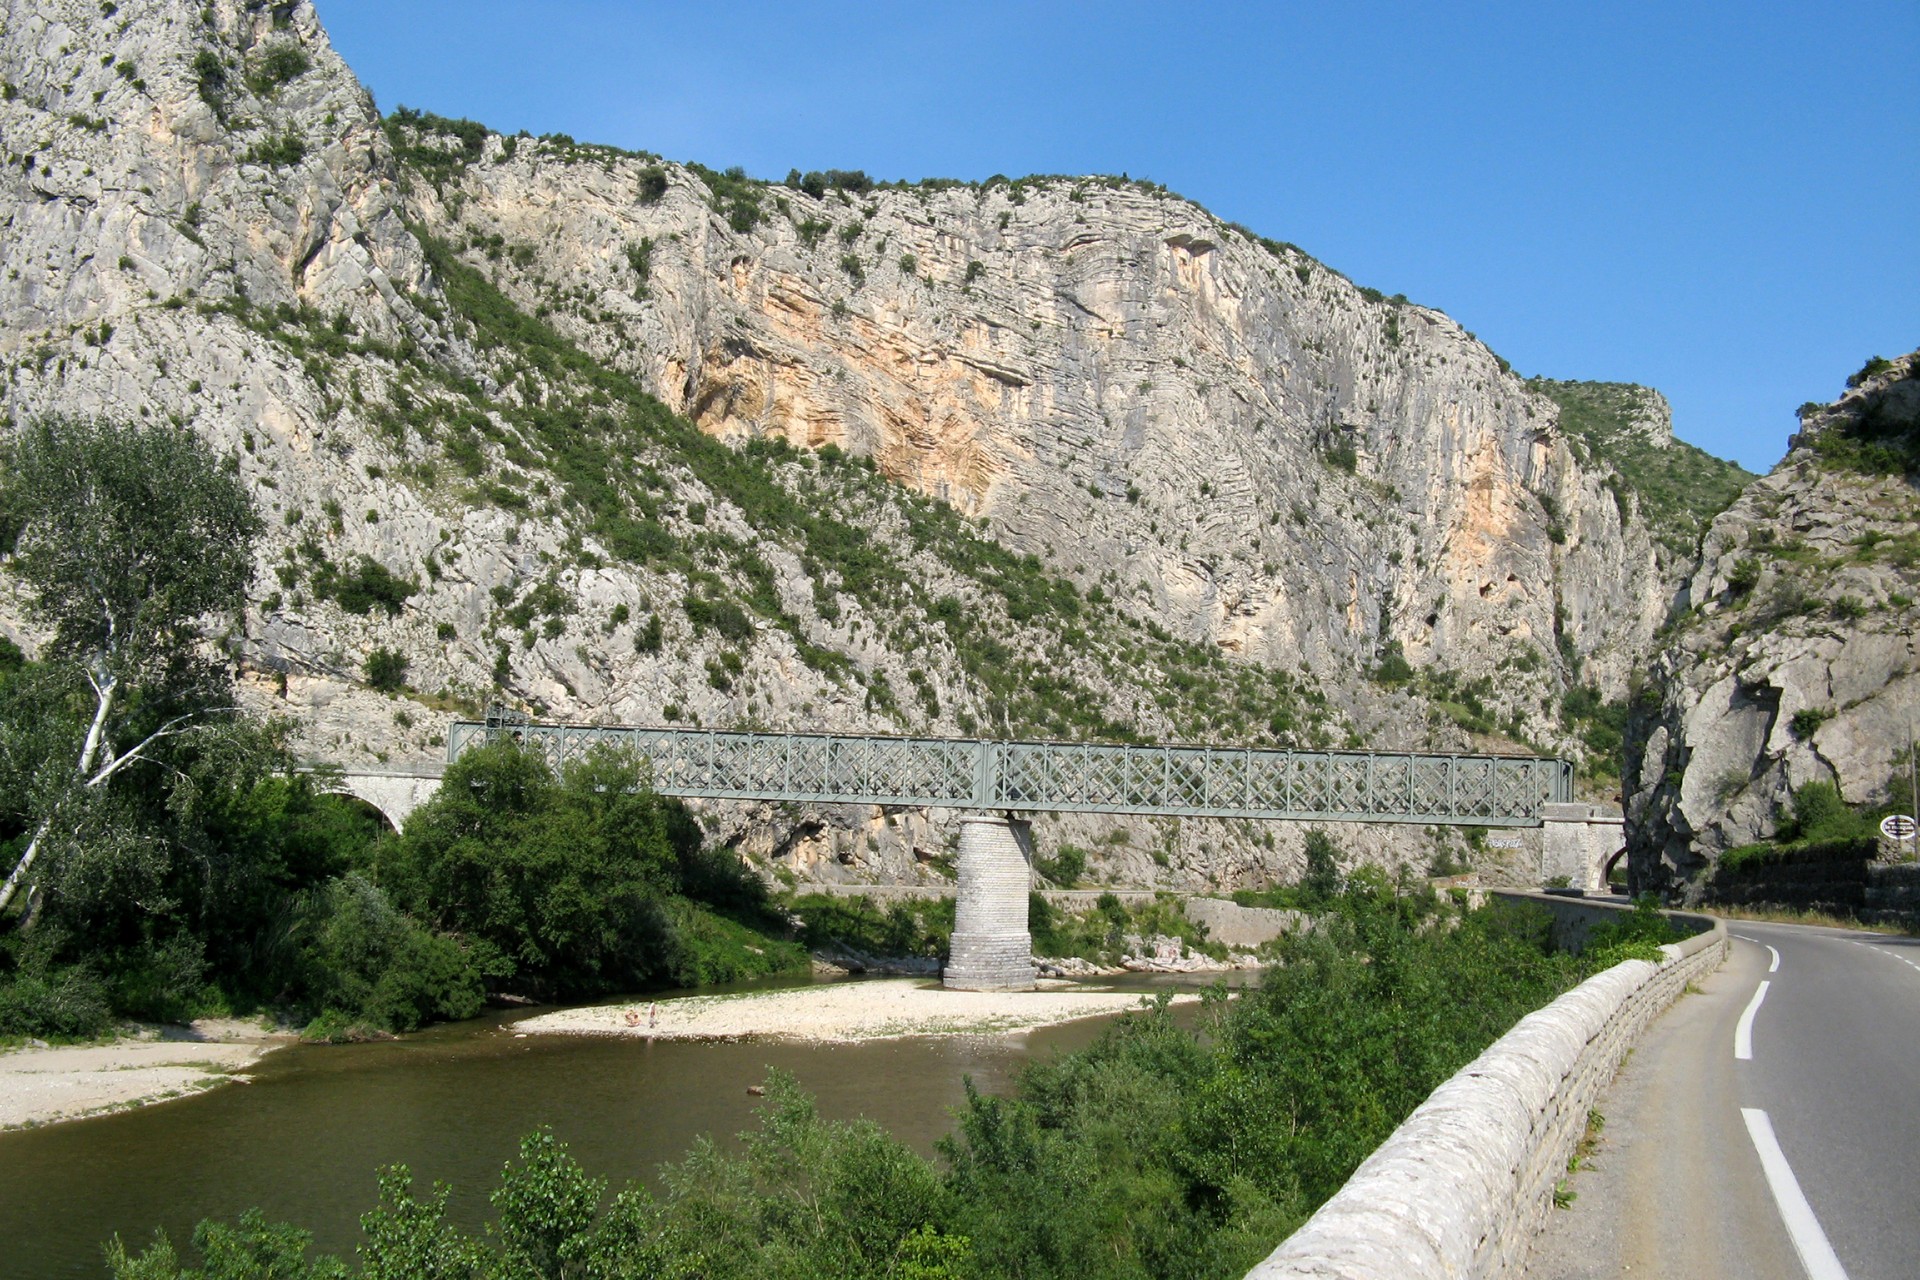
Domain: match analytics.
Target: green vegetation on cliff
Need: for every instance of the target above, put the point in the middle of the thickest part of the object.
(1679, 488)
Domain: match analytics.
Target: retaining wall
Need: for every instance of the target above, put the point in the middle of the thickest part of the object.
(1574, 918)
(1463, 1186)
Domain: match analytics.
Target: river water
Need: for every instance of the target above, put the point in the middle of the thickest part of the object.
(302, 1140)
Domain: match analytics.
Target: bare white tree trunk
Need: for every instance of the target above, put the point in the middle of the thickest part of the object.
(104, 688)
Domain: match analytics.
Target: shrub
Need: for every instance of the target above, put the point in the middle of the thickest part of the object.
(648, 638)
(1743, 576)
(286, 149)
(1873, 368)
(63, 1003)
(371, 585)
(386, 670)
(210, 78)
(281, 64)
(1807, 721)
(722, 616)
(1065, 867)
(915, 927)
(1635, 935)
(365, 962)
(1821, 815)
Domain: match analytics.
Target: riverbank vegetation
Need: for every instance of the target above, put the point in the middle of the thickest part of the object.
(1165, 1149)
(167, 859)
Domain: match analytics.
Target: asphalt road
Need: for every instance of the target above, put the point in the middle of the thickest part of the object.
(1800, 1159)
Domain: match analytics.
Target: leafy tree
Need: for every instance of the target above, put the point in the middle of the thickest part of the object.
(570, 878)
(1322, 879)
(130, 541)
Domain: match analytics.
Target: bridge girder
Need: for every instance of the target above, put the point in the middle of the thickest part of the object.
(1064, 777)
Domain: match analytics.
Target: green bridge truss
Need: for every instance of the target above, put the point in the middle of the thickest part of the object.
(1063, 777)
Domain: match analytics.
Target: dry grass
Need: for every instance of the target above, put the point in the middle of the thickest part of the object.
(1794, 915)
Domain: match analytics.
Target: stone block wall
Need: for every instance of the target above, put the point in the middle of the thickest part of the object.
(1242, 928)
(992, 949)
(1463, 1186)
(1576, 840)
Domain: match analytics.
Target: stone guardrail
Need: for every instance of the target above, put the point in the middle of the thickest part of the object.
(1464, 1185)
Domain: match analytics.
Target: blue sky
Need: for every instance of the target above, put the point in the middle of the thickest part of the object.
(1720, 201)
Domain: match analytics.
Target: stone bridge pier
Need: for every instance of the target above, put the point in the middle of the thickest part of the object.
(992, 949)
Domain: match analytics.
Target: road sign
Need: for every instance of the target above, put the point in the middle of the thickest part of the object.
(1897, 826)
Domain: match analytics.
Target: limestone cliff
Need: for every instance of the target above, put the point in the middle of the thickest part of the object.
(1100, 466)
(1792, 657)
(1215, 429)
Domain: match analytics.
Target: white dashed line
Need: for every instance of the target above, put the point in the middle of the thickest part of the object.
(1891, 955)
(1743, 1033)
(1816, 1255)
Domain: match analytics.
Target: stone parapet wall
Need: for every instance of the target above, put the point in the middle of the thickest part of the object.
(1464, 1185)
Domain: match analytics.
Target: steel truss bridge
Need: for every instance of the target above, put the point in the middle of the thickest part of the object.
(1064, 777)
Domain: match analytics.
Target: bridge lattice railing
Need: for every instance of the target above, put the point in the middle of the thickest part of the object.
(1166, 781)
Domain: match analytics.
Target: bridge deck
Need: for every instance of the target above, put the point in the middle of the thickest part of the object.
(1066, 777)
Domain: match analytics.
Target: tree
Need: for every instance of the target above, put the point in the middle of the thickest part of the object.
(132, 542)
(568, 877)
(1322, 878)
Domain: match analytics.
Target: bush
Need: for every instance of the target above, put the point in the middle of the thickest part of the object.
(1873, 368)
(920, 927)
(1635, 935)
(284, 149)
(1065, 867)
(1820, 815)
(54, 1003)
(386, 670)
(723, 616)
(364, 961)
(371, 585)
(1743, 576)
(581, 882)
(1807, 721)
(281, 64)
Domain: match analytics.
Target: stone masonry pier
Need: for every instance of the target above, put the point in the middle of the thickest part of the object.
(992, 949)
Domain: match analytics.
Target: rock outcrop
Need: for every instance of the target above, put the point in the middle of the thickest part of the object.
(1063, 457)
(1792, 657)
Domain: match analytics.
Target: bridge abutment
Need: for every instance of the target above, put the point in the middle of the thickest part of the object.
(992, 948)
(1577, 841)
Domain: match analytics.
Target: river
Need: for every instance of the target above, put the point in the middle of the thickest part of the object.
(302, 1140)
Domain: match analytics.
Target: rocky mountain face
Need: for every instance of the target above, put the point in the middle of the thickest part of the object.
(622, 440)
(1792, 658)
(1216, 430)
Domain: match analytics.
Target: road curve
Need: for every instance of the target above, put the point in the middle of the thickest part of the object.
(1763, 1132)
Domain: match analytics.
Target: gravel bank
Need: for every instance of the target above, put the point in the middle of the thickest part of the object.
(839, 1012)
(40, 1085)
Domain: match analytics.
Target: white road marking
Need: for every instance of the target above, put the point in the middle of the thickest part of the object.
(1816, 1255)
(1743, 1033)
(1882, 951)
(1775, 966)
